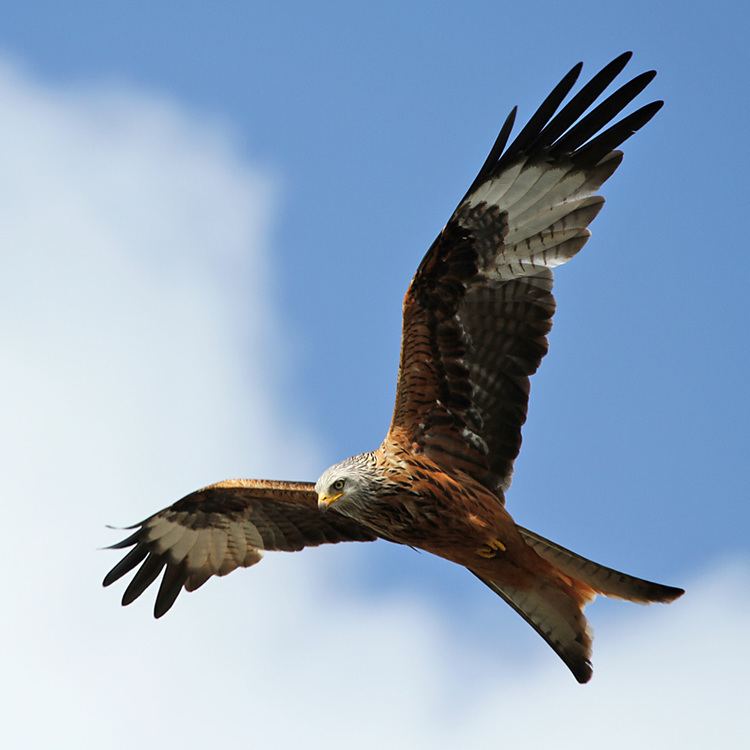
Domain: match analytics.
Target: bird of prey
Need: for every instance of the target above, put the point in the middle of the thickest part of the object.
(475, 323)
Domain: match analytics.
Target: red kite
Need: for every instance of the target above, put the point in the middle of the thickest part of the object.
(475, 324)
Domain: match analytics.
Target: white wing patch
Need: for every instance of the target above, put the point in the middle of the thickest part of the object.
(493, 190)
(216, 549)
(548, 210)
(541, 189)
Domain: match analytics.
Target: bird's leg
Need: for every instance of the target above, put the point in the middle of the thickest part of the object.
(491, 549)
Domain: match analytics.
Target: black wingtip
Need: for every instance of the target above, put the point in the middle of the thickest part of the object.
(171, 585)
(596, 149)
(587, 95)
(544, 113)
(144, 577)
(623, 58)
(129, 541)
(571, 132)
(134, 557)
(510, 121)
(161, 607)
(602, 114)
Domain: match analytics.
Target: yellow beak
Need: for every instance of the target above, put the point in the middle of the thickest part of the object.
(324, 501)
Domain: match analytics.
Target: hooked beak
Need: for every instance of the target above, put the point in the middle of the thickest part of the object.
(324, 501)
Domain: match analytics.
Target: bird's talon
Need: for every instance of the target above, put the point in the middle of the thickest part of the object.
(491, 549)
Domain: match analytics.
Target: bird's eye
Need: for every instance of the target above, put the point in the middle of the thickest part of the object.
(338, 485)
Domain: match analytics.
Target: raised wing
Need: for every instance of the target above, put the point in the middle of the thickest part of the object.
(225, 526)
(479, 308)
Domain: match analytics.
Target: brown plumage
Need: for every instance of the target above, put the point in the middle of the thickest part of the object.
(220, 528)
(475, 324)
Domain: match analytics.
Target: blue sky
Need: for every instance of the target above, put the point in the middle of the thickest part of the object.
(278, 233)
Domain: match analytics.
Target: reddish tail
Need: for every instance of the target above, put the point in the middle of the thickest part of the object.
(554, 606)
(599, 578)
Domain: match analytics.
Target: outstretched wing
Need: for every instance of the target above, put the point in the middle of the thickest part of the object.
(479, 308)
(225, 526)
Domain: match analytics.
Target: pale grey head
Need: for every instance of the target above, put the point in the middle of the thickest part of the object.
(351, 485)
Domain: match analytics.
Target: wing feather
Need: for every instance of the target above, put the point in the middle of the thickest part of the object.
(223, 527)
(478, 311)
(578, 104)
(602, 114)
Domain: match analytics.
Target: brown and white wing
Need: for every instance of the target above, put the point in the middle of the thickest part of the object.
(225, 526)
(477, 313)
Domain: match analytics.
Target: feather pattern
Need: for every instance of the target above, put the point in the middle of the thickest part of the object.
(556, 613)
(223, 527)
(477, 313)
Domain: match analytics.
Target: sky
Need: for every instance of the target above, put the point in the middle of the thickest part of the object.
(209, 216)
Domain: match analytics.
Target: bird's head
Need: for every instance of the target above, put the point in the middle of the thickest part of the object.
(348, 485)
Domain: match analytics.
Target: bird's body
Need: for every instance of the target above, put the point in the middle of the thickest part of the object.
(412, 500)
(449, 514)
(420, 504)
(475, 323)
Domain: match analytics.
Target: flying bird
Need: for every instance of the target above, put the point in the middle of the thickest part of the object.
(475, 323)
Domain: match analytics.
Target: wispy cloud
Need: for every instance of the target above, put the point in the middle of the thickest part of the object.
(140, 361)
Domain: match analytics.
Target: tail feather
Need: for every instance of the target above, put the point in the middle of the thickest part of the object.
(601, 579)
(552, 602)
(556, 613)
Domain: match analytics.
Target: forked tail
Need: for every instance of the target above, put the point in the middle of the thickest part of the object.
(601, 579)
(554, 606)
(556, 613)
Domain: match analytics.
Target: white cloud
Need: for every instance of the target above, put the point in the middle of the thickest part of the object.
(134, 270)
